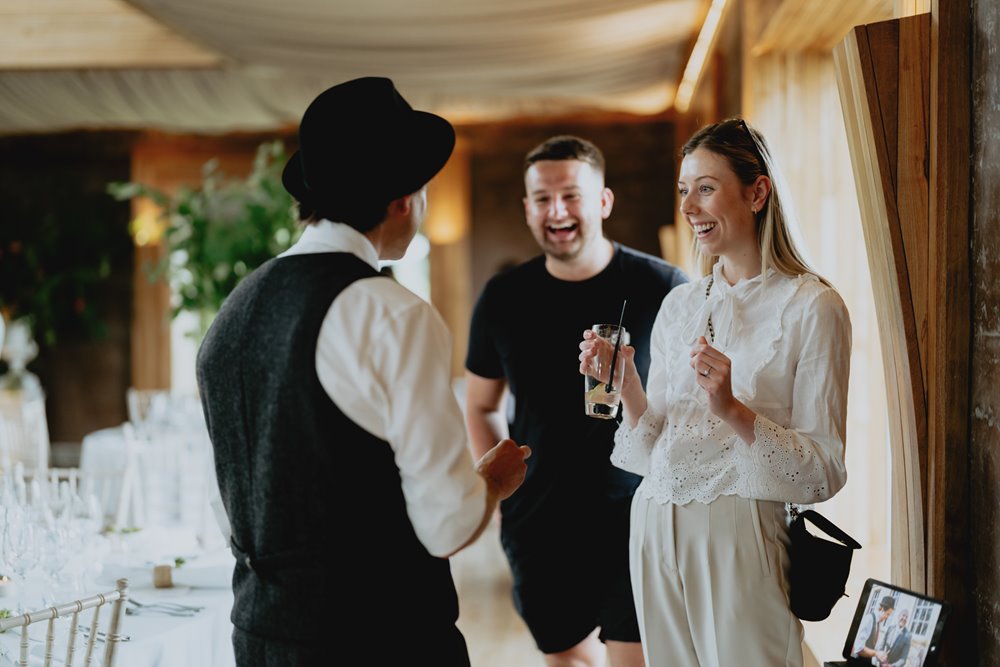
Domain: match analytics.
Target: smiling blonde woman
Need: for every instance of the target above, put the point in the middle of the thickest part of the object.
(745, 410)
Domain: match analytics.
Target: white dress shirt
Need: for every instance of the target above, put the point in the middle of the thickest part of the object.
(868, 622)
(384, 358)
(789, 340)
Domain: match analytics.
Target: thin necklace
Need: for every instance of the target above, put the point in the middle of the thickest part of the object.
(711, 329)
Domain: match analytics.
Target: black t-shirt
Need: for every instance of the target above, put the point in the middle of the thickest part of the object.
(526, 328)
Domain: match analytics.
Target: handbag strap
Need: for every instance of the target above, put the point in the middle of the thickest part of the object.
(828, 527)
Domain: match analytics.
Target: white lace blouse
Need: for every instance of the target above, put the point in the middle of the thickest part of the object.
(789, 339)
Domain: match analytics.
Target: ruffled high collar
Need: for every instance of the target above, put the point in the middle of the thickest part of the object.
(722, 304)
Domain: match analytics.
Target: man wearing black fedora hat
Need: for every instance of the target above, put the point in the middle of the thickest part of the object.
(327, 390)
(873, 627)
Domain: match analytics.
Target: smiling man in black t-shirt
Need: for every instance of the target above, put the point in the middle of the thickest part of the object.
(565, 531)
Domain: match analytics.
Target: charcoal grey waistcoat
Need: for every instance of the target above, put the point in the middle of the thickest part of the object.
(317, 511)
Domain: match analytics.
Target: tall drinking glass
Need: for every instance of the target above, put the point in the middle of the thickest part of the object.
(601, 395)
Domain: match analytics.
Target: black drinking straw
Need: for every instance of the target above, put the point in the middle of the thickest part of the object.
(609, 387)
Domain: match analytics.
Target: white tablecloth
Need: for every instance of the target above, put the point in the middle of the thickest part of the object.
(155, 640)
(172, 479)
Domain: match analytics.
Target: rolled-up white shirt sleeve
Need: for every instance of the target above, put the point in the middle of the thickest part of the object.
(862, 636)
(385, 359)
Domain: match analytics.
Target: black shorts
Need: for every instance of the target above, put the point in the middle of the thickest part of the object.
(445, 648)
(568, 582)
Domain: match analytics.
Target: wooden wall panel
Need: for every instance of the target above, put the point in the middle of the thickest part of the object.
(984, 440)
(448, 227)
(882, 49)
(166, 162)
(912, 171)
(793, 99)
(916, 214)
(949, 318)
(911, 7)
(870, 92)
(150, 330)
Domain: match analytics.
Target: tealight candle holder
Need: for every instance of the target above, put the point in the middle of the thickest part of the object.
(7, 586)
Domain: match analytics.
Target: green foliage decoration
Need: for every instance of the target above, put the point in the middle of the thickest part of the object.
(221, 230)
(57, 255)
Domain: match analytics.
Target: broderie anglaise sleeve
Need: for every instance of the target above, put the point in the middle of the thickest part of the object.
(803, 461)
(634, 446)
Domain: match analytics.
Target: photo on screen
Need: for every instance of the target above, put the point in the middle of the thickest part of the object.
(895, 627)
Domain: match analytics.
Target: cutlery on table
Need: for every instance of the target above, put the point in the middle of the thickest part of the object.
(103, 636)
(139, 611)
(164, 605)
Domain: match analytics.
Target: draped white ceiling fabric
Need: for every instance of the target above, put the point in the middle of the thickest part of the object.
(470, 60)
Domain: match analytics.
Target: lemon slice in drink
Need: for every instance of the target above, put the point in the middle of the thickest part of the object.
(596, 394)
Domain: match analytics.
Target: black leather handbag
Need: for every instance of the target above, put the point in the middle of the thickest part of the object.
(819, 565)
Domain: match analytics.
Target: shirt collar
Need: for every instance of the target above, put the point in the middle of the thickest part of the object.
(327, 236)
(721, 283)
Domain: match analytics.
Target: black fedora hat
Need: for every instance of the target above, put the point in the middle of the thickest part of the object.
(361, 143)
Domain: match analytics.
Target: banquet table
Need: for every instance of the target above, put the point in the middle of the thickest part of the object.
(169, 474)
(155, 639)
(151, 502)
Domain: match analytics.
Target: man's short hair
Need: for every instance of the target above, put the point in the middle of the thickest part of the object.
(360, 216)
(566, 147)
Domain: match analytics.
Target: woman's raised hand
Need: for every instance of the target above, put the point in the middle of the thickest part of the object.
(713, 374)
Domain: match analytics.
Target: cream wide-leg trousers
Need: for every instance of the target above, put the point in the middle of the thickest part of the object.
(710, 584)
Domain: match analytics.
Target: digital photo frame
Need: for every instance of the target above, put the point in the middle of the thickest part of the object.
(895, 627)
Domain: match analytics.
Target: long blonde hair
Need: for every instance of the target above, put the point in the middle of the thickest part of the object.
(746, 151)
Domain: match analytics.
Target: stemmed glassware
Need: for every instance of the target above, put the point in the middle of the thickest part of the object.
(49, 542)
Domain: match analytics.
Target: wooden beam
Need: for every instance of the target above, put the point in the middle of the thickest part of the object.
(90, 34)
(754, 17)
(868, 73)
(911, 7)
(950, 315)
(447, 227)
(911, 176)
(808, 25)
(150, 328)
